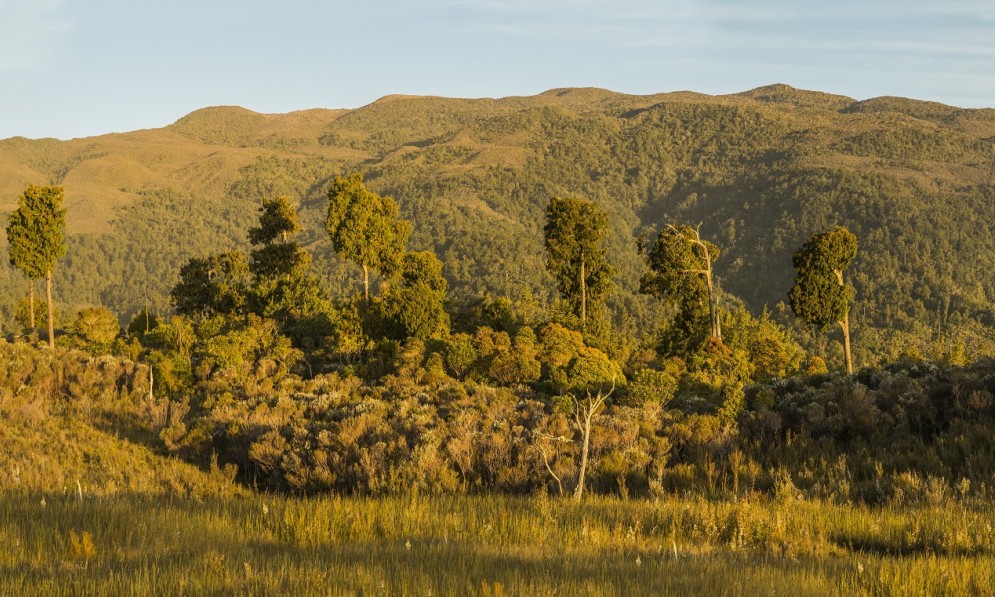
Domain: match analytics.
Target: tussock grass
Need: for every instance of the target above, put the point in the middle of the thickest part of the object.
(490, 545)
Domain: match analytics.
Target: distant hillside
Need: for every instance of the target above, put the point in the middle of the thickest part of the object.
(763, 170)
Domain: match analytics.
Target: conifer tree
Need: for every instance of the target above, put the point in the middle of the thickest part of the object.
(820, 296)
(574, 233)
(36, 235)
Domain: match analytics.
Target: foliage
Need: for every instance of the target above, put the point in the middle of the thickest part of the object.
(217, 284)
(95, 329)
(676, 276)
(414, 304)
(36, 231)
(277, 220)
(574, 234)
(819, 296)
(363, 226)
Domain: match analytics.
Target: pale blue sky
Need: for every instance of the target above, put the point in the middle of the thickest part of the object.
(71, 68)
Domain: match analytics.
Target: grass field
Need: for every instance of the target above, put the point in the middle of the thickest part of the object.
(489, 545)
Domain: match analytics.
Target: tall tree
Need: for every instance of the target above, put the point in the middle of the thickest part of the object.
(22, 255)
(680, 263)
(277, 220)
(283, 286)
(574, 232)
(275, 255)
(820, 296)
(36, 235)
(364, 227)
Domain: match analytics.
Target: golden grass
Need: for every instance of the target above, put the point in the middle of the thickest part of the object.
(485, 545)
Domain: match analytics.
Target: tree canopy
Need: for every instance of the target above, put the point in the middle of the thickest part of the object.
(36, 236)
(364, 227)
(820, 296)
(575, 255)
(680, 272)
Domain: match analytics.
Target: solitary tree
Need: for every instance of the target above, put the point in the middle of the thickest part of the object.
(820, 296)
(36, 235)
(574, 232)
(364, 227)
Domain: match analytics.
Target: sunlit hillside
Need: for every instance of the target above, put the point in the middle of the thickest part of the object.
(762, 170)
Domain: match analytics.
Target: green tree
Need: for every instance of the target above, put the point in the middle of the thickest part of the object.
(364, 228)
(820, 296)
(283, 287)
(680, 265)
(277, 220)
(414, 306)
(36, 235)
(275, 255)
(142, 323)
(212, 285)
(574, 232)
(96, 328)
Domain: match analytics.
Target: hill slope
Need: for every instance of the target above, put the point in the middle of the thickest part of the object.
(763, 170)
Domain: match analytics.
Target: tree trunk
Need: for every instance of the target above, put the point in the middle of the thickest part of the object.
(586, 433)
(845, 325)
(31, 303)
(713, 310)
(51, 310)
(583, 415)
(583, 294)
(366, 283)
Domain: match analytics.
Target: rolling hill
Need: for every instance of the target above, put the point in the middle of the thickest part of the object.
(762, 170)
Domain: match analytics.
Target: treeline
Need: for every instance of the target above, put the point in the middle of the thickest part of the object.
(263, 368)
(761, 172)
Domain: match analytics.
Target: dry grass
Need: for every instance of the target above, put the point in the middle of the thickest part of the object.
(483, 545)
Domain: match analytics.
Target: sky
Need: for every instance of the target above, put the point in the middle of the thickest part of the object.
(75, 68)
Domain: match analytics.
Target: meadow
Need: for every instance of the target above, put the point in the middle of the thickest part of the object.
(490, 545)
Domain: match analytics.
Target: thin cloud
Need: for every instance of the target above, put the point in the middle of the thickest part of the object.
(28, 31)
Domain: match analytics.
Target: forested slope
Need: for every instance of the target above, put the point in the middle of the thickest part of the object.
(762, 170)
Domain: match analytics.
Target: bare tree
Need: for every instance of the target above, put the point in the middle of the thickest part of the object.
(584, 412)
(544, 442)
